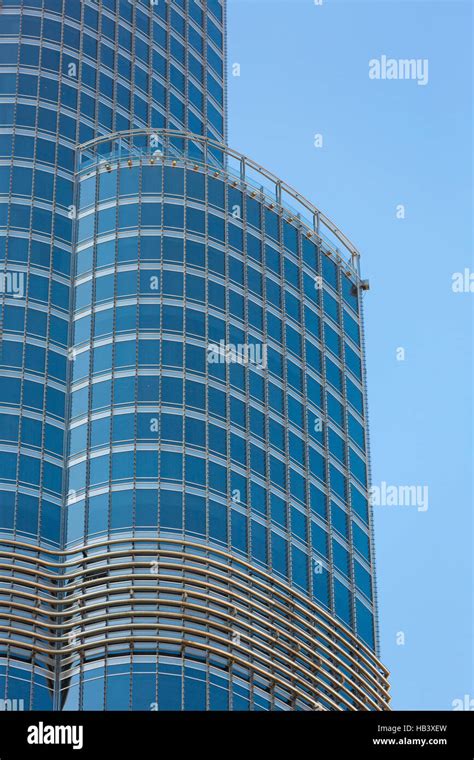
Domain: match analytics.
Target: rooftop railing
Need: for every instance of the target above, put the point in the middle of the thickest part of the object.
(206, 153)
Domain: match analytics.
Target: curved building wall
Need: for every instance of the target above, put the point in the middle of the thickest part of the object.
(217, 456)
(69, 71)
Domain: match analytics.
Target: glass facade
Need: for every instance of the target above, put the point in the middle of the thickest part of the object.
(184, 458)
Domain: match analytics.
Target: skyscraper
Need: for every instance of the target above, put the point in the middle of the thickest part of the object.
(184, 462)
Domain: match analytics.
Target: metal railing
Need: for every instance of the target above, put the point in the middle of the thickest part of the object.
(203, 152)
(204, 599)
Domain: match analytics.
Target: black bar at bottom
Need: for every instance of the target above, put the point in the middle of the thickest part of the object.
(139, 734)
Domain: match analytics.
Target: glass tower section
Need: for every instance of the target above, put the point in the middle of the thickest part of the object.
(184, 521)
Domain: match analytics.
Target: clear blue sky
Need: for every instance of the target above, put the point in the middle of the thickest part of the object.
(304, 70)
